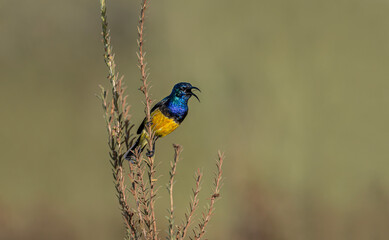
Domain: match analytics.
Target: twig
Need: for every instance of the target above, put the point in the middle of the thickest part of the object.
(117, 120)
(216, 194)
(172, 173)
(139, 191)
(192, 206)
(145, 90)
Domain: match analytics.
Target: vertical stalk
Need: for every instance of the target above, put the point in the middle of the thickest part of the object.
(145, 90)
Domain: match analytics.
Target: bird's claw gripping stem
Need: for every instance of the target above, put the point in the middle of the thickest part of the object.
(148, 124)
(150, 153)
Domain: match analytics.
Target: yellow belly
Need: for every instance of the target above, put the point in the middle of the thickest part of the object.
(162, 125)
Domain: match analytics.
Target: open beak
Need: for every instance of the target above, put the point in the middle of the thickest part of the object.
(190, 91)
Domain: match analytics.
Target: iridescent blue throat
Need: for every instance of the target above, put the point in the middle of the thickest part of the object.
(177, 107)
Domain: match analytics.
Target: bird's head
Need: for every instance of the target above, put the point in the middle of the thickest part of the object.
(183, 90)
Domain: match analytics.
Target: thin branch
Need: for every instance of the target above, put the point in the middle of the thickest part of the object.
(216, 194)
(192, 206)
(172, 173)
(139, 191)
(117, 120)
(145, 90)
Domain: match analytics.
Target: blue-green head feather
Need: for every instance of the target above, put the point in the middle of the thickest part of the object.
(177, 101)
(183, 91)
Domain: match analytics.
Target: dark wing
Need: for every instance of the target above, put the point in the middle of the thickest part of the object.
(156, 106)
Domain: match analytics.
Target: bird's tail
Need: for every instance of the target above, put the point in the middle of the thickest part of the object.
(140, 142)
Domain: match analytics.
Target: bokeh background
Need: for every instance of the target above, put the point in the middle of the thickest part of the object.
(294, 92)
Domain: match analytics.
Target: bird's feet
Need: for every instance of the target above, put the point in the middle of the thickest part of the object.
(150, 153)
(149, 124)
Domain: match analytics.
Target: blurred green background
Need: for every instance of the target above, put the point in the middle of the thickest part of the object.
(294, 92)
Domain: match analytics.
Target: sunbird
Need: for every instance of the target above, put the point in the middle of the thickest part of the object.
(165, 117)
